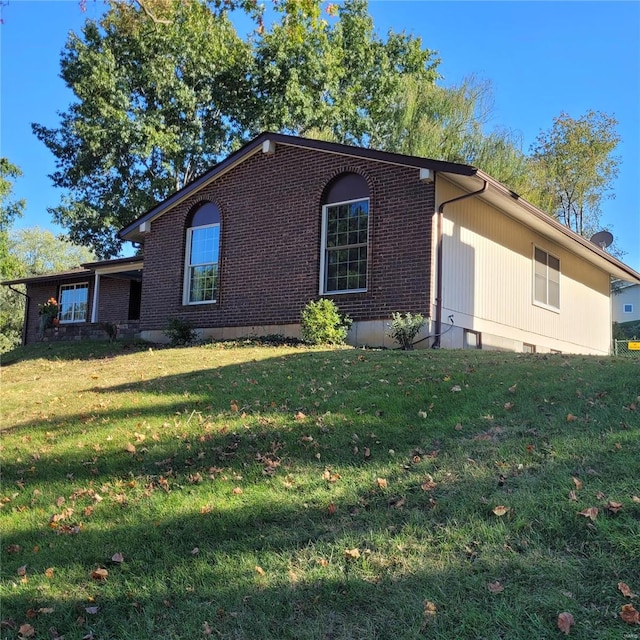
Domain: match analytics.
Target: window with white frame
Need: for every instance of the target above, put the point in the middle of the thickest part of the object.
(345, 235)
(627, 308)
(73, 302)
(202, 256)
(546, 279)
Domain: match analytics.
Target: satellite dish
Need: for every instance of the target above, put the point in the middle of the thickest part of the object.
(603, 239)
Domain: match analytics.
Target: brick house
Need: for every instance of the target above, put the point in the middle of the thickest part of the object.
(284, 220)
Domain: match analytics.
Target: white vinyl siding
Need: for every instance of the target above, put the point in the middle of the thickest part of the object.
(488, 282)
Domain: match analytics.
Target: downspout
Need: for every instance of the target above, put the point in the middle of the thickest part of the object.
(438, 331)
(23, 340)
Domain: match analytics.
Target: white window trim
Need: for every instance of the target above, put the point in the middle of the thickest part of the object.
(76, 285)
(186, 285)
(625, 305)
(323, 248)
(538, 303)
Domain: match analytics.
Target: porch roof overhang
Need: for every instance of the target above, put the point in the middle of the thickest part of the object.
(129, 268)
(530, 216)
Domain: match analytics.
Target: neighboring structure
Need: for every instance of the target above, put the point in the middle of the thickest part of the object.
(284, 220)
(625, 303)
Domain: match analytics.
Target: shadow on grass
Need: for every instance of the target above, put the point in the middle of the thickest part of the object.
(160, 511)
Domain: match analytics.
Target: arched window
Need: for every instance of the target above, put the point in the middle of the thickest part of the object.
(345, 235)
(202, 255)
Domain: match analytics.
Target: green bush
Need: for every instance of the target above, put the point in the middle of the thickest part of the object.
(323, 324)
(404, 328)
(180, 332)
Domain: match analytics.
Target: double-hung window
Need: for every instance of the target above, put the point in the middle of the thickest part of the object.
(73, 302)
(345, 235)
(546, 279)
(202, 256)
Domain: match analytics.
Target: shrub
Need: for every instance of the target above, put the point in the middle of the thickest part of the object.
(323, 324)
(404, 328)
(180, 332)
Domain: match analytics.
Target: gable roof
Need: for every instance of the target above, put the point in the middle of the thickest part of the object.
(467, 177)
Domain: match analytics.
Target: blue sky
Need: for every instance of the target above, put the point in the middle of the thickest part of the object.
(542, 58)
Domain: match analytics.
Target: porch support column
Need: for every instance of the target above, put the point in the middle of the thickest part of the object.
(96, 295)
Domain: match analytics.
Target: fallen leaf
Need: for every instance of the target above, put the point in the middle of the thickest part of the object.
(195, 551)
(367, 452)
(614, 507)
(118, 558)
(22, 571)
(625, 590)
(577, 482)
(331, 509)
(299, 416)
(456, 388)
(590, 512)
(501, 510)
(260, 570)
(565, 622)
(512, 388)
(323, 562)
(307, 438)
(382, 483)
(99, 574)
(130, 448)
(458, 427)
(207, 629)
(428, 484)
(636, 499)
(629, 614)
(495, 587)
(91, 610)
(430, 609)
(14, 548)
(26, 631)
(422, 414)
(237, 491)
(49, 572)
(573, 496)
(352, 554)
(234, 406)
(571, 417)
(508, 406)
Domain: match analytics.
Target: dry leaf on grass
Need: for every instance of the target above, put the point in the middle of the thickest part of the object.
(495, 587)
(577, 482)
(26, 631)
(260, 570)
(501, 510)
(382, 483)
(625, 590)
(590, 512)
(99, 574)
(351, 554)
(565, 622)
(629, 614)
(118, 558)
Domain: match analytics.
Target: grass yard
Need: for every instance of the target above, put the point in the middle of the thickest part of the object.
(257, 492)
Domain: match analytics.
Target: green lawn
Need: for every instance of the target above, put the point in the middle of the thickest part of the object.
(261, 492)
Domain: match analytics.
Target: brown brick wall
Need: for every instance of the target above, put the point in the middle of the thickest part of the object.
(270, 243)
(113, 303)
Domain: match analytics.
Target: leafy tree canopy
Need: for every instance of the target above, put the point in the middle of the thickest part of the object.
(164, 88)
(574, 168)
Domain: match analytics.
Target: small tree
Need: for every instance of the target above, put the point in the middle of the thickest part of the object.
(323, 324)
(404, 328)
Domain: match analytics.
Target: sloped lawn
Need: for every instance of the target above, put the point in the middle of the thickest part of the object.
(283, 492)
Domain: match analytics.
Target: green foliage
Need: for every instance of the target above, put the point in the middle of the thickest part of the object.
(180, 332)
(404, 328)
(164, 89)
(574, 168)
(158, 100)
(321, 323)
(39, 251)
(626, 330)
